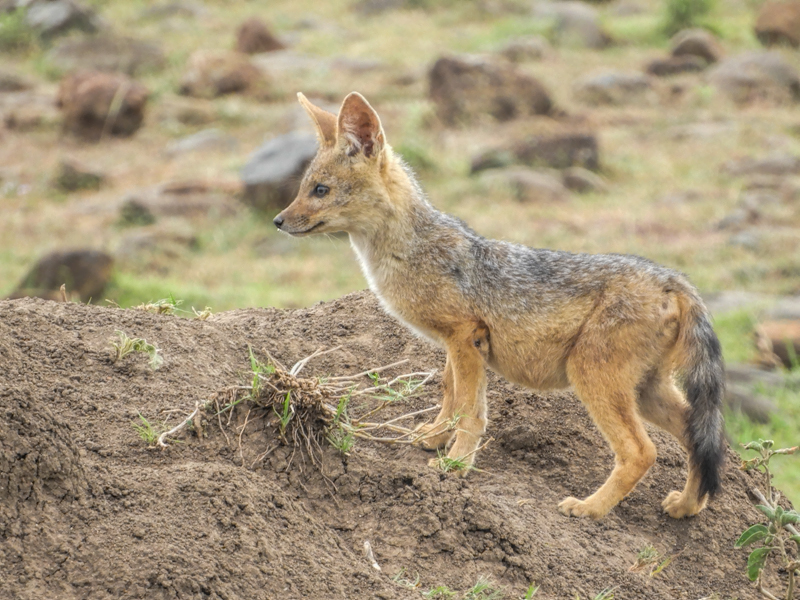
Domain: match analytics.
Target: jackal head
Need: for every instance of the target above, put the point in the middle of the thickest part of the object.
(345, 186)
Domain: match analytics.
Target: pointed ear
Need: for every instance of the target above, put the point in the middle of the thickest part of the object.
(360, 127)
(324, 122)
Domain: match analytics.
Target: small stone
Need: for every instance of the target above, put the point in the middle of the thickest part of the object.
(523, 49)
(254, 36)
(696, 42)
(752, 76)
(72, 176)
(583, 181)
(84, 272)
(207, 139)
(215, 73)
(273, 172)
(773, 164)
(106, 52)
(575, 23)
(96, 104)
(779, 23)
(528, 185)
(51, 18)
(464, 88)
(617, 88)
(662, 67)
(13, 82)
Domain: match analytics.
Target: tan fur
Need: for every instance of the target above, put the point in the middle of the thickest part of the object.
(617, 344)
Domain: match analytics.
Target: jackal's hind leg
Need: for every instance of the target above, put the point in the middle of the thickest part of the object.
(662, 403)
(609, 395)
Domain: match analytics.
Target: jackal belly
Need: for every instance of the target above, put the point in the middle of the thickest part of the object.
(533, 361)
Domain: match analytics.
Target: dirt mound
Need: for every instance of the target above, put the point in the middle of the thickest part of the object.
(87, 511)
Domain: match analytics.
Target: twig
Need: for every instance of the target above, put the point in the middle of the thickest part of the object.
(178, 427)
(246, 419)
(371, 556)
(63, 290)
(368, 371)
(298, 366)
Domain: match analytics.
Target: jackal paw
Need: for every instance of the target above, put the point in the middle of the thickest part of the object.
(677, 505)
(428, 436)
(572, 507)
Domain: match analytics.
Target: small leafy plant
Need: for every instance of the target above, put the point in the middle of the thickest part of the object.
(682, 14)
(126, 345)
(483, 590)
(146, 430)
(341, 434)
(774, 537)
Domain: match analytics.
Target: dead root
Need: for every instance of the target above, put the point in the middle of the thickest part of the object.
(307, 412)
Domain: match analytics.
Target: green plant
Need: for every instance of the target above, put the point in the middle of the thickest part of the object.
(286, 413)
(15, 35)
(483, 590)
(146, 430)
(440, 592)
(125, 345)
(340, 433)
(401, 579)
(774, 536)
(446, 464)
(164, 306)
(531, 592)
(681, 14)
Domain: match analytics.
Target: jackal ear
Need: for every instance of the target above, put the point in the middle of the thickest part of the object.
(360, 127)
(324, 121)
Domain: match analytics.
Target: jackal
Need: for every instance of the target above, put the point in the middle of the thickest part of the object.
(616, 328)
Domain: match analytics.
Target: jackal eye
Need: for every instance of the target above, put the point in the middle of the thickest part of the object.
(321, 190)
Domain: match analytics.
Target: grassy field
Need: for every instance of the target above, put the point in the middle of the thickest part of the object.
(666, 190)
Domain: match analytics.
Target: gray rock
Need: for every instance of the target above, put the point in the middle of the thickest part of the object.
(583, 181)
(207, 139)
(273, 172)
(106, 52)
(84, 272)
(761, 75)
(187, 199)
(556, 150)
(575, 23)
(528, 185)
(164, 240)
(751, 240)
(13, 82)
(51, 18)
(737, 219)
(673, 65)
(174, 9)
(215, 73)
(773, 164)
(696, 42)
(533, 47)
(755, 407)
(614, 87)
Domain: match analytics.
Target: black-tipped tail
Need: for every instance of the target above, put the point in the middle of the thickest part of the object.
(704, 374)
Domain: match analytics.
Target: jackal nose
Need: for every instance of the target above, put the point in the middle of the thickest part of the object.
(278, 221)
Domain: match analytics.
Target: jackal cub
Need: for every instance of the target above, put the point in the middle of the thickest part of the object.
(616, 328)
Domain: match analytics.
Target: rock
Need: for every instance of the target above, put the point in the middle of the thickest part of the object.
(106, 52)
(779, 23)
(166, 10)
(186, 111)
(522, 49)
(583, 181)
(96, 104)
(782, 337)
(749, 376)
(761, 75)
(575, 23)
(774, 164)
(614, 87)
(370, 8)
(215, 73)
(465, 87)
(755, 407)
(528, 185)
(273, 172)
(254, 36)
(738, 218)
(72, 176)
(673, 65)
(51, 18)
(84, 272)
(207, 139)
(165, 241)
(750, 240)
(557, 150)
(696, 42)
(13, 82)
(186, 199)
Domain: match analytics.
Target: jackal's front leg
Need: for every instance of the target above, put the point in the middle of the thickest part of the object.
(468, 416)
(441, 430)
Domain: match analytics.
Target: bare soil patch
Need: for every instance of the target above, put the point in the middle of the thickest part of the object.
(87, 511)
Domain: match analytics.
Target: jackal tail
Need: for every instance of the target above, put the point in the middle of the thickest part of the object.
(700, 359)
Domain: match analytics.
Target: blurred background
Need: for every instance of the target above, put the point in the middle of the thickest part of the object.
(146, 146)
